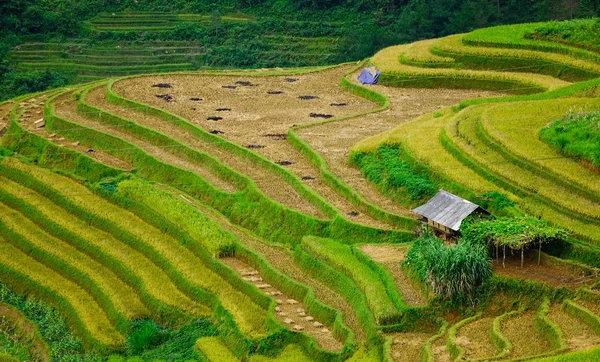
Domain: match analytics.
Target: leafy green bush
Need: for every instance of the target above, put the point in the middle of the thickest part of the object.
(143, 335)
(582, 32)
(451, 270)
(385, 168)
(576, 135)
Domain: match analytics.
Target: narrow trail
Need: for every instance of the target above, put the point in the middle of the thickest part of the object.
(281, 259)
(32, 120)
(289, 312)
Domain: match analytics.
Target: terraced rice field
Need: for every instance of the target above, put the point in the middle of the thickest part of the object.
(231, 198)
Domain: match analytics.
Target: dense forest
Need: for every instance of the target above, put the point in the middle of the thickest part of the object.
(361, 27)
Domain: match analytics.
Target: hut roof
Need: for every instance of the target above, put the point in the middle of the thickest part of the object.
(448, 209)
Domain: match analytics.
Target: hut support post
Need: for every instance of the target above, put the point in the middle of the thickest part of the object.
(522, 256)
(540, 254)
(503, 255)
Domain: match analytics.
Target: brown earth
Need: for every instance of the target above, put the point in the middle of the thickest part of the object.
(526, 340)
(290, 312)
(408, 346)
(549, 273)
(474, 338)
(579, 335)
(391, 257)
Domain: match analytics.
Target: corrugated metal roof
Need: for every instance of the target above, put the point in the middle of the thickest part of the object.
(447, 209)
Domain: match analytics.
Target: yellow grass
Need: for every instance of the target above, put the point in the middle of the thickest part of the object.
(464, 131)
(387, 60)
(215, 350)
(420, 52)
(157, 283)
(421, 137)
(249, 316)
(517, 126)
(122, 296)
(88, 311)
(454, 44)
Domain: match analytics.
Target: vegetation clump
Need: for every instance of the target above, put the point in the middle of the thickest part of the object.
(576, 135)
(580, 32)
(452, 271)
(385, 168)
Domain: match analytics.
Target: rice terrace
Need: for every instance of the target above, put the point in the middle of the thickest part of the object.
(300, 180)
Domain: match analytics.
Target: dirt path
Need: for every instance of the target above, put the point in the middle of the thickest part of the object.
(33, 121)
(4, 112)
(335, 139)
(253, 118)
(290, 312)
(280, 258)
(391, 257)
(271, 183)
(555, 275)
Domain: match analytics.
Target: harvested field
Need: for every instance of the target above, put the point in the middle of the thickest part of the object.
(289, 312)
(474, 338)
(408, 346)
(271, 183)
(579, 335)
(391, 257)
(526, 340)
(252, 117)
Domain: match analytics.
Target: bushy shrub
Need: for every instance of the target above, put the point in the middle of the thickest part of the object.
(386, 169)
(452, 271)
(576, 135)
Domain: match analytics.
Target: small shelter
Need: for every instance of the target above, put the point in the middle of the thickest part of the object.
(445, 212)
(369, 75)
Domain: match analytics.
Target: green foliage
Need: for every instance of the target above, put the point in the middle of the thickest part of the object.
(144, 334)
(496, 201)
(64, 345)
(576, 135)
(581, 32)
(515, 233)
(15, 83)
(386, 169)
(151, 342)
(451, 270)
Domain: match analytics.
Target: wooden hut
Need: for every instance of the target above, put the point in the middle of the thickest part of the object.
(445, 212)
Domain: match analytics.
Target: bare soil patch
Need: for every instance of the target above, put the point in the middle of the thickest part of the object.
(4, 111)
(254, 114)
(391, 257)
(547, 272)
(578, 335)
(526, 341)
(407, 346)
(474, 338)
(290, 312)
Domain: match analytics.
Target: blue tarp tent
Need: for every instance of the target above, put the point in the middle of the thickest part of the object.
(369, 75)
